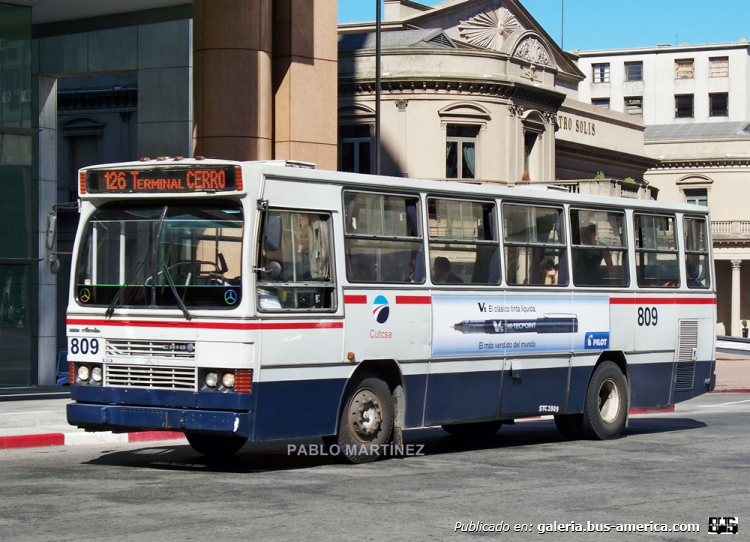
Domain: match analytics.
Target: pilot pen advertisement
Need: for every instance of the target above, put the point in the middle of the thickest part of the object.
(469, 325)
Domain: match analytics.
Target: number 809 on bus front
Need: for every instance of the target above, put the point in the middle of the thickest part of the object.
(84, 349)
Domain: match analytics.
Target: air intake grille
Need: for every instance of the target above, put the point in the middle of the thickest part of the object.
(150, 349)
(685, 362)
(169, 378)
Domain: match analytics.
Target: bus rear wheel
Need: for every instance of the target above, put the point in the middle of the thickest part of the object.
(605, 409)
(366, 419)
(215, 446)
(476, 430)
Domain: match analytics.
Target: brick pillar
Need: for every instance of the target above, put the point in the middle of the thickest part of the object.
(233, 95)
(305, 81)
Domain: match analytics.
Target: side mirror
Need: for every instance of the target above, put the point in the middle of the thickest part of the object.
(51, 231)
(273, 233)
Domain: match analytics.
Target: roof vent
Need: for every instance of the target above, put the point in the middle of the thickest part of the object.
(443, 41)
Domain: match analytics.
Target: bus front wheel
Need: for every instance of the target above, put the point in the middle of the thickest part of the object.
(605, 409)
(366, 419)
(215, 446)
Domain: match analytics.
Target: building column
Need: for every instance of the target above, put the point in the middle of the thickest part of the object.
(735, 322)
(233, 95)
(305, 81)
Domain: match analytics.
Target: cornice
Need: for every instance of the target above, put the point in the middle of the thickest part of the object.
(454, 87)
(703, 163)
(605, 154)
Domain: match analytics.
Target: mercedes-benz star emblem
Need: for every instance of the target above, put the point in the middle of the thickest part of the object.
(85, 295)
(230, 297)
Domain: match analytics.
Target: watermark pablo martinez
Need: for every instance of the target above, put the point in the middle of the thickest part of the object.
(380, 450)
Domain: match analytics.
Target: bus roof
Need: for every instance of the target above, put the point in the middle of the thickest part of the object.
(303, 171)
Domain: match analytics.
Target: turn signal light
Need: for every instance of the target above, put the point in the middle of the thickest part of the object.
(71, 373)
(238, 177)
(82, 181)
(243, 380)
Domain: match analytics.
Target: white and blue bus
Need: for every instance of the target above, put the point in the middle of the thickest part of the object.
(257, 301)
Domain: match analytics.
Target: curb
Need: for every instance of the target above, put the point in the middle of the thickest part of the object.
(76, 439)
(732, 390)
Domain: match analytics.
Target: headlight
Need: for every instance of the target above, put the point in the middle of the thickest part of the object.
(212, 379)
(96, 374)
(83, 372)
(228, 380)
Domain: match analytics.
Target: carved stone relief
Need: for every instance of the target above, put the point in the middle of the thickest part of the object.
(489, 29)
(533, 51)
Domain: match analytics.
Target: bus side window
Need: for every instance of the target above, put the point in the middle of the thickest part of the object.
(534, 245)
(656, 251)
(463, 242)
(697, 268)
(383, 238)
(600, 250)
(294, 268)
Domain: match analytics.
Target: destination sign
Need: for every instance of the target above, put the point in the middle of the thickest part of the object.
(162, 179)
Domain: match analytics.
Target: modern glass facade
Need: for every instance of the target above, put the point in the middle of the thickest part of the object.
(18, 202)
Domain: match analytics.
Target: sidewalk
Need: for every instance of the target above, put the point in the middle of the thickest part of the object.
(42, 422)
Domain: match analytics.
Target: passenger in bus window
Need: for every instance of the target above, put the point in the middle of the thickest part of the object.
(587, 263)
(441, 272)
(548, 272)
(695, 271)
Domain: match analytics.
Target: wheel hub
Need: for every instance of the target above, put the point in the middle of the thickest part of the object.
(609, 401)
(365, 414)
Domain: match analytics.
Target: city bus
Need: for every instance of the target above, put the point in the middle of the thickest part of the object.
(259, 301)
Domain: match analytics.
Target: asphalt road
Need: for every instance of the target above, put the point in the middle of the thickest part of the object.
(666, 469)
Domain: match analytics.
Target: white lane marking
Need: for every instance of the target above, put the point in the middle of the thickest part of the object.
(724, 404)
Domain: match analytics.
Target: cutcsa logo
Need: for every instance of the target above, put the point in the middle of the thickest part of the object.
(380, 309)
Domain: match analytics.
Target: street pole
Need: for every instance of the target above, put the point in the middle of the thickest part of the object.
(377, 87)
(562, 26)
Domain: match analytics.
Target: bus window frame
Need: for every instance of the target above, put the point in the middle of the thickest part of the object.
(684, 252)
(564, 236)
(334, 284)
(421, 225)
(497, 242)
(629, 247)
(678, 251)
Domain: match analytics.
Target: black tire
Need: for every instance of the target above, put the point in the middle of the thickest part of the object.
(215, 446)
(474, 431)
(366, 418)
(570, 425)
(605, 409)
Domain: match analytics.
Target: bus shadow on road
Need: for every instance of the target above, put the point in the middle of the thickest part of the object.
(303, 454)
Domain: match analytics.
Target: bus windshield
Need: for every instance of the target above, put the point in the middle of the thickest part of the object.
(147, 255)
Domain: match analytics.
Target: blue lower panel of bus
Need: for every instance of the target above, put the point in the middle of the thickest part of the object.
(415, 387)
(133, 418)
(299, 408)
(453, 397)
(534, 391)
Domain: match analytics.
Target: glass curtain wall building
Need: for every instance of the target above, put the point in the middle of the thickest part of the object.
(18, 219)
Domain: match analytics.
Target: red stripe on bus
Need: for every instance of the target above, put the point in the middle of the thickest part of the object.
(413, 300)
(209, 325)
(355, 299)
(662, 300)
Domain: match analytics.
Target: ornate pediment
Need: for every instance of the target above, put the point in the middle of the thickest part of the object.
(532, 50)
(489, 29)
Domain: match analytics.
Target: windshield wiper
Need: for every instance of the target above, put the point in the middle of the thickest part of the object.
(174, 291)
(111, 308)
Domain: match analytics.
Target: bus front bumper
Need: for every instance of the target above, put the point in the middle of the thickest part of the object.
(122, 411)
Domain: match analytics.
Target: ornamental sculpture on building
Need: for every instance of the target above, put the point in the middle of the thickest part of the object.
(532, 50)
(489, 29)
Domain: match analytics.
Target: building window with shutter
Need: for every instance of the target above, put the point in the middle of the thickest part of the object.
(601, 73)
(460, 153)
(600, 102)
(718, 104)
(634, 105)
(683, 69)
(683, 106)
(354, 148)
(718, 66)
(696, 196)
(634, 71)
